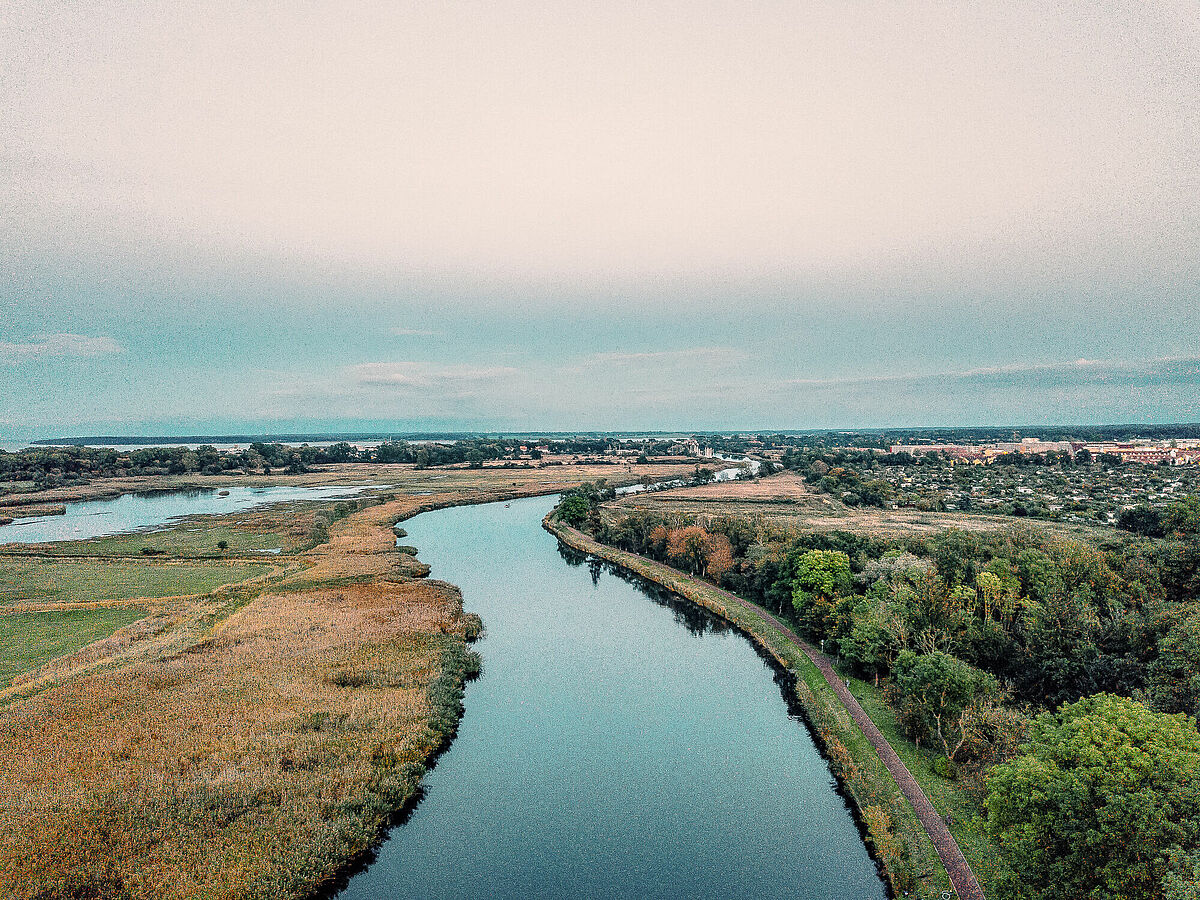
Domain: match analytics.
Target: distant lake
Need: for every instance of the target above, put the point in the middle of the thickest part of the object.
(145, 512)
(620, 742)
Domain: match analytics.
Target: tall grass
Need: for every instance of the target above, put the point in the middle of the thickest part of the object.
(244, 755)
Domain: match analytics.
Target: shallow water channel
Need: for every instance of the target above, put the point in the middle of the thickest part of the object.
(145, 511)
(619, 743)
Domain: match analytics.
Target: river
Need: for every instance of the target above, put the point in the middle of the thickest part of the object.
(619, 743)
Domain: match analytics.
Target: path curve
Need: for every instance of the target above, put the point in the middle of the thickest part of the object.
(966, 886)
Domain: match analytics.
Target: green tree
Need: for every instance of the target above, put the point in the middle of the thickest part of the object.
(876, 636)
(820, 577)
(1183, 518)
(937, 697)
(574, 509)
(1103, 803)
(1183, 879)
(1174, 681)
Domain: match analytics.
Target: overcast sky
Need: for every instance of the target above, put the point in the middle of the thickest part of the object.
(580, 215)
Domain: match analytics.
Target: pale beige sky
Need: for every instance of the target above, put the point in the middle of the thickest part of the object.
(583, 215)
(534, 140)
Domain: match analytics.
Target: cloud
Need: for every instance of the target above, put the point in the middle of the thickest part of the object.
(413, 332)
(54, 345)
(1155, 371)
(704, 355)
(425, 375)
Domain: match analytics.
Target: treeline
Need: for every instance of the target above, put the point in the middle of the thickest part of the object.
(58, 466)
(1058, 680)
(1177, 520)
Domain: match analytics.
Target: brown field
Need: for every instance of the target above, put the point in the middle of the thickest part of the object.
(784, 500)
(251, 741)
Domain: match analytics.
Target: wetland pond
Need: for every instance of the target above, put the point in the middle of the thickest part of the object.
(620, 742)
(148, 511)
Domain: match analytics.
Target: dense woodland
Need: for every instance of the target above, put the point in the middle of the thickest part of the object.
(1041, 666)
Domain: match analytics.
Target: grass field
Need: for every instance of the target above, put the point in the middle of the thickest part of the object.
(184, 539)
(30, 639)
(66, 581)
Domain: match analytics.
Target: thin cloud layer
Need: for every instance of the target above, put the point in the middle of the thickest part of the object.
(425, 375)
(1163, 371)
(55, 345)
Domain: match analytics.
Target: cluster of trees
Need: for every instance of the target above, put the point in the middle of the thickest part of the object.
(55, 466)
(1103, 801)
(1177, 520)
(1055, 619)
(848, 485)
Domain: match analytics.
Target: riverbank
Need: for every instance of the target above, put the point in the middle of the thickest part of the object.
(901, 844)
(253, 741)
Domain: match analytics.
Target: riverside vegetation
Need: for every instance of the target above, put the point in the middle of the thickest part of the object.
(245, 726)
(1043, 687)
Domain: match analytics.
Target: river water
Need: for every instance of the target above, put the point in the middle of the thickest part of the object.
(619, 743)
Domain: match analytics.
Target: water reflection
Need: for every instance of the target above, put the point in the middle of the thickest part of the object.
(612, 747)
(148, 510)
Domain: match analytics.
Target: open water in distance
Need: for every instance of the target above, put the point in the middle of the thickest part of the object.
(142, 512)
(619, 743)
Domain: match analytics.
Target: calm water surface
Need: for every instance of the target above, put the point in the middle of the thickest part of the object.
(618, 744)
(141, 512)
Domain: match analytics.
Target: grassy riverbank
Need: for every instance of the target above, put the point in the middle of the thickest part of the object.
(248, 741)
(247, 744)
(948, 797)
(897, 840)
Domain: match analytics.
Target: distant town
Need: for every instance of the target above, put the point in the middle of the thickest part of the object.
(1177, 453)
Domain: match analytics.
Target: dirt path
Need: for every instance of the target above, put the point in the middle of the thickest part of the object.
(962, 878)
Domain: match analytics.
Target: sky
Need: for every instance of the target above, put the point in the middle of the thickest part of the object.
(618, 216)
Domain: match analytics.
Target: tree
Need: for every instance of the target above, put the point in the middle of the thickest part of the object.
(1141, 520)
(1181, 519)
(819, 578)
(1174, 681)
(687, 548)
(1104, 802)
(574, 510)
(1183, 879)
(875, 638)
(938, 696)
(718, 559)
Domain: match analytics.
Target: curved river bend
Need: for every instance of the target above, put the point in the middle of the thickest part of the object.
(619, 743)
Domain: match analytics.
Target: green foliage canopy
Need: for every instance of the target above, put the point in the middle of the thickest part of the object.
(820, 577)
(1103, 803)
(934, 692)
